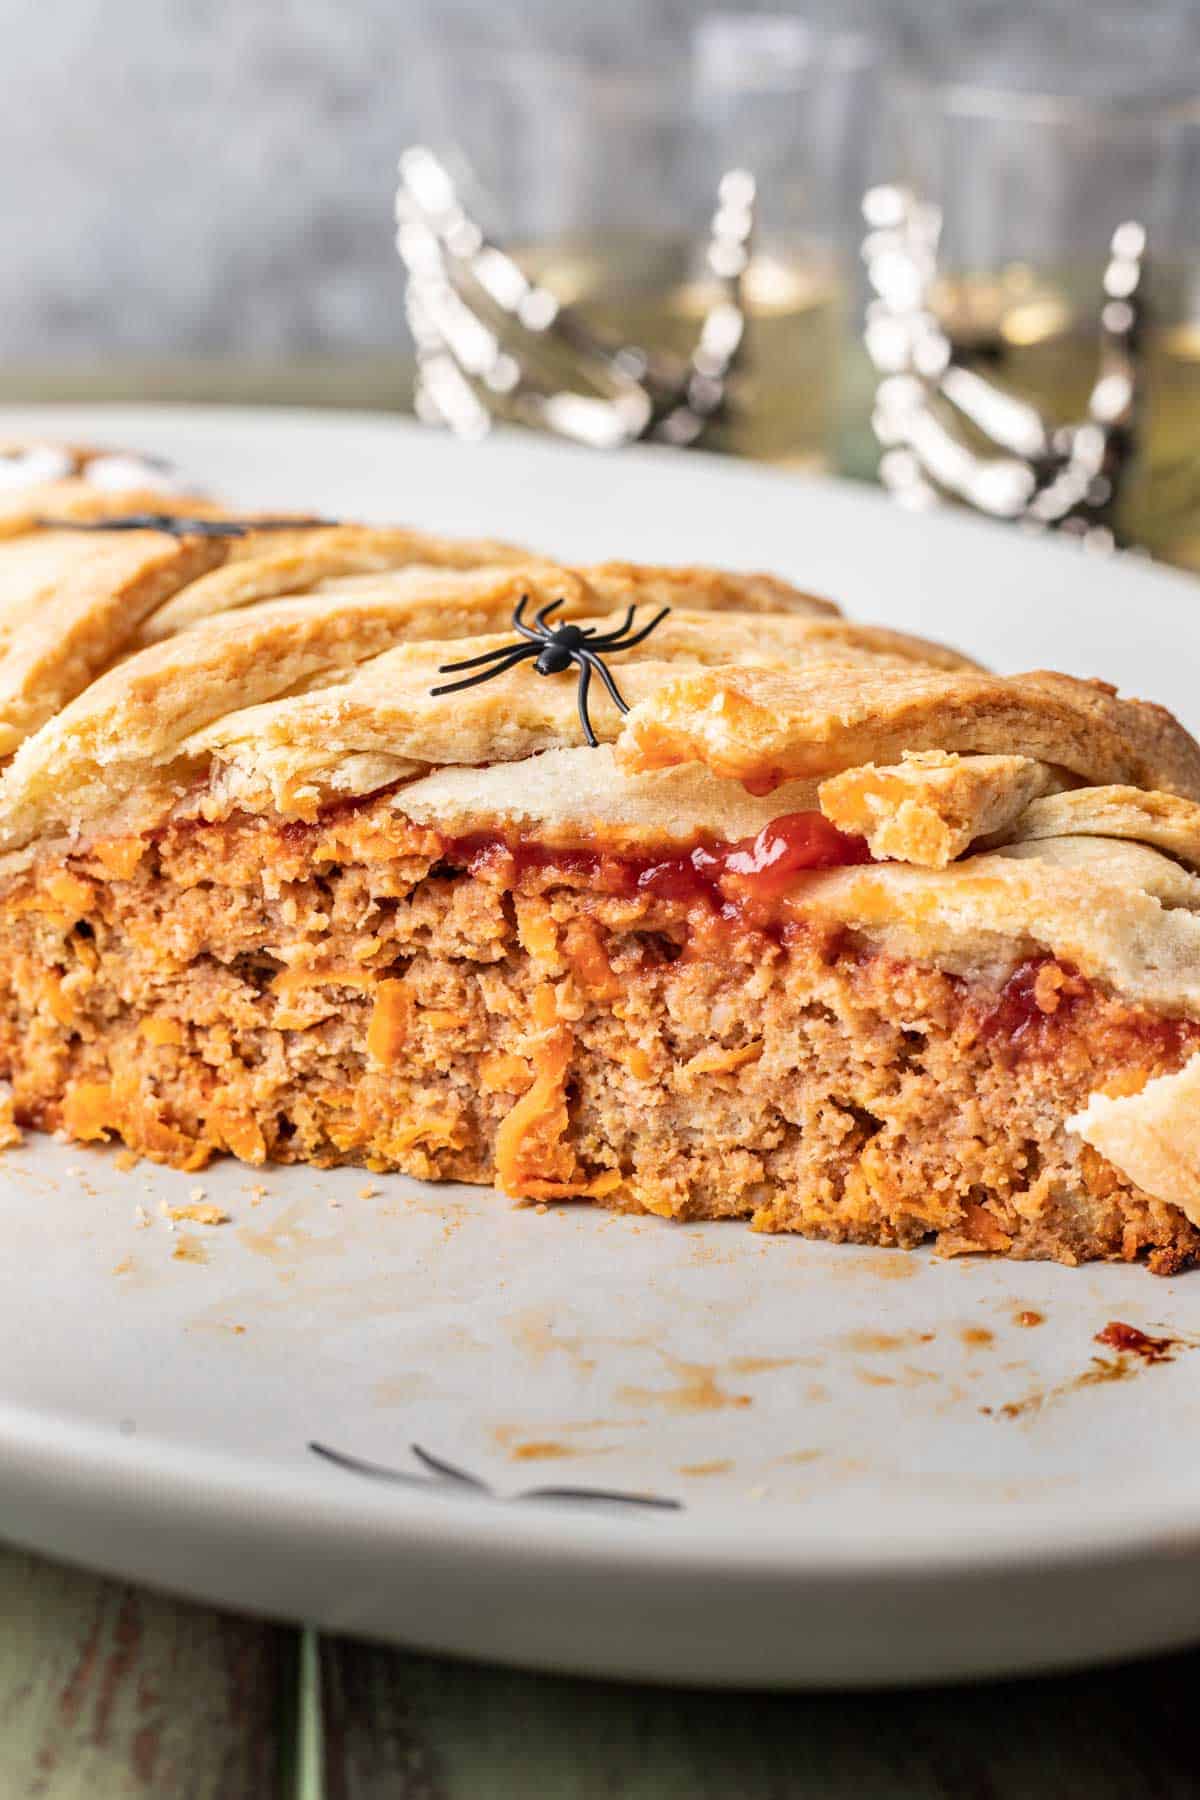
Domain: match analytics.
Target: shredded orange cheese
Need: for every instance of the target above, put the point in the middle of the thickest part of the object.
(86, 954)
(536, 930)
(234, 1128)
(391, 1016)
(715, 1061)
(58, 1003)
(72, 896)
(100, 1109)
(530, 1147)
(88, 1110)
(983, 1229)
(1099, 1177)
(294, 981)
(10, 1131)
(533, 1159)
(586, 954)
(432, 1132)
(442, 1018)
(119, 857)
(502, 1073)
(160, 1030)
(637, 1062)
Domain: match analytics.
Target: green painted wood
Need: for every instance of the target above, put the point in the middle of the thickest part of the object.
(373, 1741)
(403, 1727)
(113, 1693)
(304, 1776)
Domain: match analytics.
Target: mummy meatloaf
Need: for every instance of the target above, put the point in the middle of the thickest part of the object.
(830, 930)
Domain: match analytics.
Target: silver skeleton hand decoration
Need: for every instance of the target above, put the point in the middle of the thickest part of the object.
(1046, 474)
(486, 336)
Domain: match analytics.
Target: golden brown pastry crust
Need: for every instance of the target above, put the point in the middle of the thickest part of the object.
(70, 603)
(566, 797)
(1164, 820)
(265, 566)
(207, 697)
(763, 727)
(934, 804)
(379, 561)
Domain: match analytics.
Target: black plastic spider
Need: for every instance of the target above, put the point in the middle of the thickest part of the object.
(176, 525)
(555, 649)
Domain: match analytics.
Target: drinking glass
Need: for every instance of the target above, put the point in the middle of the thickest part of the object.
(601, 179)
(1031, 186)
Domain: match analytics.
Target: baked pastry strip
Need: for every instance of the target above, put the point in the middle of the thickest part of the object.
(214, 690)
(764, 728)
(934, 804)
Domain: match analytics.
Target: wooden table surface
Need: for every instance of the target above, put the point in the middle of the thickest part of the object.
(108, 1691)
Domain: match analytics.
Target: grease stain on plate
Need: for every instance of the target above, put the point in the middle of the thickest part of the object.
(189, 1249)
(1136, 1351)
(530, 1443)
(549, 1449)
(285, 1240)
(761, 1365)
(908, 1376)
(698, 1390)
(402, 1390)
(869, 1341)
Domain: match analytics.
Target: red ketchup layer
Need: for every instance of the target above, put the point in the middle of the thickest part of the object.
(1038, 1003)
(759, 868)
(1028, 1002)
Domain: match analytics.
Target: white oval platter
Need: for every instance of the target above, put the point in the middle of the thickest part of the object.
(871, 1470)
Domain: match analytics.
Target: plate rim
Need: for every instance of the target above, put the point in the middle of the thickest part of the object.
(1001, 1535)
(75, 419)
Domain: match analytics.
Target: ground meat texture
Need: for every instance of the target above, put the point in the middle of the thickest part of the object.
(346, 992)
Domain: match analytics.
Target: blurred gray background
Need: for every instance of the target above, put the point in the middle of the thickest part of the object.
(211, 179)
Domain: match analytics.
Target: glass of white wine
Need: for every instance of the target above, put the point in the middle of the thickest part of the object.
(601, 179)
(1031, 185)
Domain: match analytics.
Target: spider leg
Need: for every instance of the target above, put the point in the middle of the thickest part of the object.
(519, 624)
(581, 695)
(539, 618)
(475, 662)
(592, 661)
(515, 656)
(606, 637)
(638, 637)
